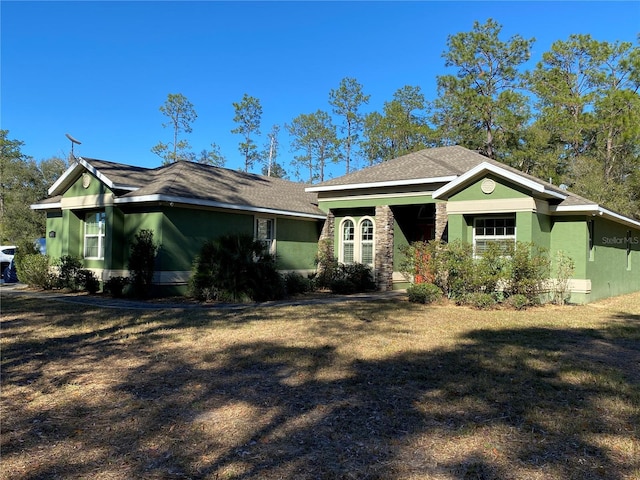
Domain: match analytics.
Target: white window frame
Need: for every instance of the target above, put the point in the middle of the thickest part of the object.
(362, 241)
(344, 241)
(358, 241)
(494, 236)
(268, 239)
(100, 234)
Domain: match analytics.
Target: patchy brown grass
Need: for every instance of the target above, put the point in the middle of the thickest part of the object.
(356, 390)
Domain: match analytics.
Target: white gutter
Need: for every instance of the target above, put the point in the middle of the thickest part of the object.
(209, 203)
(594, 210)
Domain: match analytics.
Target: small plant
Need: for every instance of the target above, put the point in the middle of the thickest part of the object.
(424, 293)
(86, 280)
(342, 286)
(565, 267)
(142, 262)
(517, 301)
(479, 300)
(296, 284)
(115, 286)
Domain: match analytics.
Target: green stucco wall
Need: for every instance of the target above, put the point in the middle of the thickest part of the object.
(346, 204)
(503, 190)
(570, 235)
(296, 243)
(608, 270)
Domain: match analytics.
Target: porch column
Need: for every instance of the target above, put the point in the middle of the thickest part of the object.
(384, 248)
(441, 219)
(327, 234)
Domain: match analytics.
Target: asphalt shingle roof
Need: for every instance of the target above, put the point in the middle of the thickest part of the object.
(435, 163)
(189, 180)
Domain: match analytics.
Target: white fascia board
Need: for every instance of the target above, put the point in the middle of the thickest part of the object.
(46, 206)
(213, 204)
(594, 210)
(501, 172)
(391, 183)
(77, 166)
(69, 172)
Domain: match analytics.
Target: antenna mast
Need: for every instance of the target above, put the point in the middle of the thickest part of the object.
(73, 141)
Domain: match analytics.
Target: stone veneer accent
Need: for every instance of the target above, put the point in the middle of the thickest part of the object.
(441, 219)
(384, 248)
(328, 231)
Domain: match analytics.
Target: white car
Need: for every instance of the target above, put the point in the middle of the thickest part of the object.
(6, 255)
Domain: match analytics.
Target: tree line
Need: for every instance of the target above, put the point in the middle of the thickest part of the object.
(573, 119)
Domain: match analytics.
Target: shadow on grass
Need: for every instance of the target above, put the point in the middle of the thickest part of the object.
(502, 403)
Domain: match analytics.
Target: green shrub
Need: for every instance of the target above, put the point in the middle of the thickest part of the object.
(565, 266)
(352, 278)
(115, 286)
(235, 268)
(528, 271)
(143, 251)
(517, 302)
(296, 284)
(327, 265)
(424, 293)
(68, 268)
(86, 280)
(342, 286)
(480, 300)
(33, 270)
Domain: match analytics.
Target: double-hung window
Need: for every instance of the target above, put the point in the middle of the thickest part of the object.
(357, 241)
(94, 235)
(266, 233)
(487, 230)
(348, 241)
(366, 242)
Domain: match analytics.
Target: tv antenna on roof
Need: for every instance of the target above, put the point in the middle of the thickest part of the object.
(73, 140)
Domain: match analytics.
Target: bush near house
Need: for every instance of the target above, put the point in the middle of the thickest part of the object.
(142, 262)
(352, 278)
(424, 293)
(514, 275)
(235, 268)
(33, 270)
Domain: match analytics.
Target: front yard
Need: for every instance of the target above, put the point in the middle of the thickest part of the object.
(355, 390)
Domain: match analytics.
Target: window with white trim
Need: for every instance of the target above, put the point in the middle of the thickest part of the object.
(366, 241)
(348, 233)
(266, 233)
(94, 235)
(487, 230)
(357, 242)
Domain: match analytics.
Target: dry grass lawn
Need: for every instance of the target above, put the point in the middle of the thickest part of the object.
(355, 390)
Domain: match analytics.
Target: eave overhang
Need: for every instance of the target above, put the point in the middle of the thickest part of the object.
(537, 188)
(74, 171)
(176, 200)
(594, 210)
(390, 183)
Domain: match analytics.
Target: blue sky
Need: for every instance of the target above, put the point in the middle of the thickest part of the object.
(101, 70)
